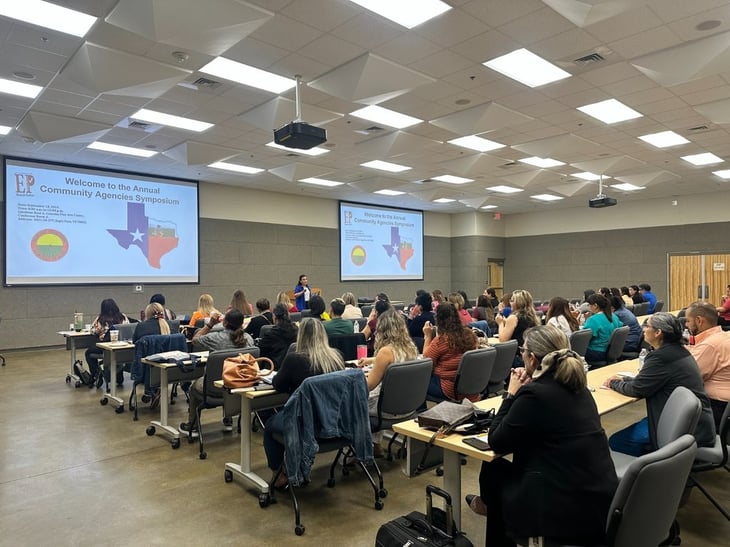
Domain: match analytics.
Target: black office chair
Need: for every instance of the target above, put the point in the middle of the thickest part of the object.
(347, 344)
(615, 348)
(473, 374)
(659, 306)
(503, 361)
(579, 341)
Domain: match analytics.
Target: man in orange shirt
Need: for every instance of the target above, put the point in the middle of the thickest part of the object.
(711, 350)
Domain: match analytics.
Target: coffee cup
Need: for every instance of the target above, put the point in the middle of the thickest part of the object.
(114, 335)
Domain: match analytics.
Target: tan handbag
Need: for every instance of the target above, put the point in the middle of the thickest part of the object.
(243, 370)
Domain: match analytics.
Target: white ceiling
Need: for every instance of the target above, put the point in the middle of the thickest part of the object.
(658, 61)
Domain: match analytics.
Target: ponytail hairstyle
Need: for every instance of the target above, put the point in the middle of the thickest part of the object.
(156, 311)
(551, 348)
(602, 303)
(233, 321)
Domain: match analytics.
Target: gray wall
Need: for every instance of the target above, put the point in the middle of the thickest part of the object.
(261, 259)
(469, 255)
(567, 264)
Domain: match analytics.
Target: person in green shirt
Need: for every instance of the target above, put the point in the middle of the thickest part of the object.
(337, 325)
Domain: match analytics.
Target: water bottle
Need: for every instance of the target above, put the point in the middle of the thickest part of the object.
(356, 326)
(642, 356)
(686, 337)
(78, 321)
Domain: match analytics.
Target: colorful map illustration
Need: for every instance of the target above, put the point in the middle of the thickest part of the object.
(403, 250)
(155, 239)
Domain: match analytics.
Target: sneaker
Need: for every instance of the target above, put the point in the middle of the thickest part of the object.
(155, 402)
(186, 429)
(476, 504)
(227, 425)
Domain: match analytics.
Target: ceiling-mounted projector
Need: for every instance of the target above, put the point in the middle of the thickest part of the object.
(299, 134)
(601, 201)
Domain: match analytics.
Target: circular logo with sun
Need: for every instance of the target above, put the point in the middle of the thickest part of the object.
(358, 255)
(49, 245)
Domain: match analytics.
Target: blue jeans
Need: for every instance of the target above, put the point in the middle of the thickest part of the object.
(434, 389)
(633, 440)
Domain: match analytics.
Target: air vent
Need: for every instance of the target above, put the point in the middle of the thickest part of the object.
(207, 83)
(138, 125)
(698, 128)
(508, 165)
(374, 128)
(589, 59)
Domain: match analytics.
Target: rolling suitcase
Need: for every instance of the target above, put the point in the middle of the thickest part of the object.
(435, 528)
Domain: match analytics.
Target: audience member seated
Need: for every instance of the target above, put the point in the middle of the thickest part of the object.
(601, 323)
(561, 480)
(160, 299)
(467, 304)
(504, 307)
(437, 297)
(649, 296)
(445, 350)
(628, 319)
(484, 311)
(240, 303)
(723, 313)
(584, 306)
(283, 298)
(711, 350)
(205, 309)
(352, 310)
(636, 295)
(393, 344)
(338, 325)
(458, 301)
(263, 317)
(491, 295)
(231, 336)
(154, 324)
(381, 304)
(312, 356)
(522, 318)
(560, 316)
(421, 313)
(318, 308)
(276, 341)
(109, 315)
(626, 296)
(670, 365)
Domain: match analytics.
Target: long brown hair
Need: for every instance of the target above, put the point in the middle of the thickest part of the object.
(459, 337)
(560, 306)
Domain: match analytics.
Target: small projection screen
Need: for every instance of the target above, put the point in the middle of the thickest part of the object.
(73, 225)
(380, 243)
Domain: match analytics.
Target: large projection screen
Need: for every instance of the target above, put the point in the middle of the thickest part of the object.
(73, 225)
(380, 243)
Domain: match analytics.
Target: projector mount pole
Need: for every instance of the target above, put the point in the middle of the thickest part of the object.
(600, 186)
(298, 99)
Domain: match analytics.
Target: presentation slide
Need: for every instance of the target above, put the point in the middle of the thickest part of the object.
(380, 243)
(72, 225)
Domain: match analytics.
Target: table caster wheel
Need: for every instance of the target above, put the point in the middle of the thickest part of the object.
(331, 483)
(104, 401)
(78, 383)
(383, 493)
(440, 472)
(119, 409)
(175, 443)
(68, 379)
(203, 455)
(228, 475)
(264, 500)
(379, 504)
(150, 430)
(299, 529)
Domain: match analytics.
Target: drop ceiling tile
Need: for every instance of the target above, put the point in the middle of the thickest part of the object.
(646, 42)
(331, 51)
(407, 49)
(671, 11)
(624, 25)
(256, 53)
(686, 28)
(536, 26)
(496, 14)
(324, 15)
(367, 30)
(606, 74)
(294, 64)
(570, 44)
(285, 33)
(486, 46)
(451, 27)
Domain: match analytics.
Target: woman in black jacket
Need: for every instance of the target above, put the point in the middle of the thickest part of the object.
(561, 480)
(276, 341)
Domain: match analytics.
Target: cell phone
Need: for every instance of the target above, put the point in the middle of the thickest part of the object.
(477, 443)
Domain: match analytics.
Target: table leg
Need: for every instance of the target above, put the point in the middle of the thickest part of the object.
(71, 376)
(452, 482)
(110, 359)
(243, 470)
(171, 432)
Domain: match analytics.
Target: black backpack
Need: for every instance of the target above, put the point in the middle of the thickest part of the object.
(82, 374)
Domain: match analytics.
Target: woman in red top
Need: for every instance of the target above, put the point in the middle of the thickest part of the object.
(458, 301)
(283, 298)
(446, 349)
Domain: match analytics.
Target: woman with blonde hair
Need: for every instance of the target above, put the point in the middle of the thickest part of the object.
(240, 303)
(458, 301)
(352, 310)
(283, 298)
(522, 318)
(205, 309)
(154, 324)
(550, 425)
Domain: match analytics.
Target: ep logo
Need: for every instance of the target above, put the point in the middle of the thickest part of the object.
(24, 184)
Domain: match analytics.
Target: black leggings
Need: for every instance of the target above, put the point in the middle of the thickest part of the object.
(492, 479)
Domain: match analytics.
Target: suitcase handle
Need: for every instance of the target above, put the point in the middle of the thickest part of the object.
(430, 490)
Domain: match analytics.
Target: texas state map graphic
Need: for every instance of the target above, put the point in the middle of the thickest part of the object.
(155, 241)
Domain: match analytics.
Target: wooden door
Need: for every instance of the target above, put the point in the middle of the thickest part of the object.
(686, 277)
(495, 275)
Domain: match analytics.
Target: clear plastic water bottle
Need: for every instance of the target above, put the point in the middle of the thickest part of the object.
(642, 356)
(686, 337)
(356, 326)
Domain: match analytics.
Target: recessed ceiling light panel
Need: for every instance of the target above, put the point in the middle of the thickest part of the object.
(321, 182)
(386, 192)
(723, 174)
(527, 68)
(588, 176)
(664, 139)
(705, 158)
(391, 118)
(451, 179)
(502, 189)
(248, 75)
(543, 163)
(546, 197)
(169, 120)
(119, 149)
(245, 169)
(12, 87)
(627, 187)
(610, 111)
(316, 151)
(473, 142)
(5, 129)
(407, 13)
(444, 200)
(48, 15)
(386, 166)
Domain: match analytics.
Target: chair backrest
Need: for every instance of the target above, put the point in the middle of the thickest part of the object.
(679, 416)
(506, 352)
(616, 344)
(659, 306)
(306, 313)
(474, 372)
(647, 498)
(214, 369)
(361, 323)
(579, 341)
(126, 330)
(174, 325)
(292, 348)
(642, 308)
(404, 386)
(347, 344)
(264, 330)
(366, 310)
(295, 316)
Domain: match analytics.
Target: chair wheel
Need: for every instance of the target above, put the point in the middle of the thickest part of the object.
(379, 504)
(440, 472)
(299, 529)
(203, 455)
(78, 383)
(175, 443)
(104, 401)
(150, 430)
(190, 439)
(119, 409)
(264, 500)
(228, 475)
(68, 379)
(383, 493)
(331, 483)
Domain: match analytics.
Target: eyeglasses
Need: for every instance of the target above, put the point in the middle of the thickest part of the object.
(523, 349)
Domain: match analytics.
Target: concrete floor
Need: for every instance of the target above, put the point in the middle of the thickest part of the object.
(75, 473)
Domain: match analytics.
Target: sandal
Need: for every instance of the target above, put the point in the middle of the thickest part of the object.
(476, 504)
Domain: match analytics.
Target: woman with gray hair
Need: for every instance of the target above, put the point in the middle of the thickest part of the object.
(561, 481)
(670, 365)
(352, 310)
